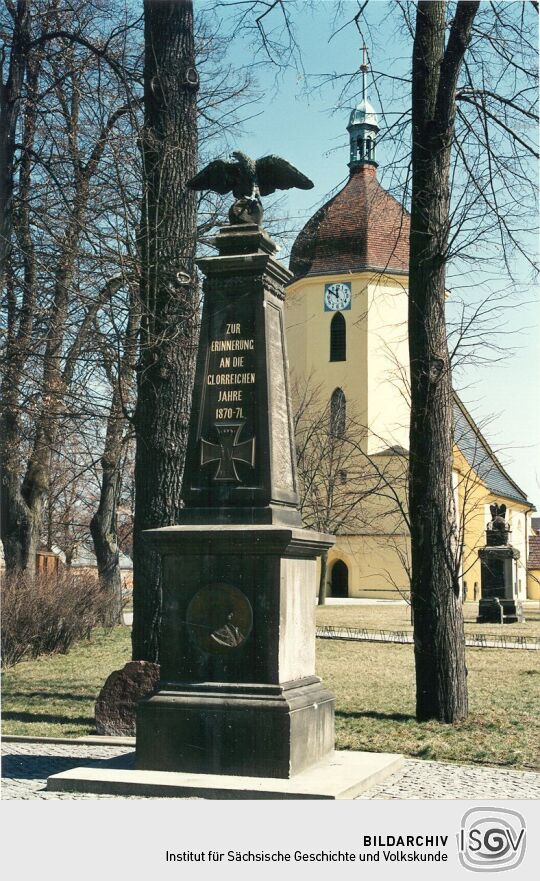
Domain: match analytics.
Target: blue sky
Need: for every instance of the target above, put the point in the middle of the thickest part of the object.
(303, 116)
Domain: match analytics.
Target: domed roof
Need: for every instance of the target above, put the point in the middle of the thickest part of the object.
(361, 228)
(364, 114)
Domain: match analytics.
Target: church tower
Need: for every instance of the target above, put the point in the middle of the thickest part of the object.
(346, 319)
(346, 313)
(347, 305)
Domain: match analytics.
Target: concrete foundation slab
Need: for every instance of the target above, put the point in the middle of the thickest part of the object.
(345, 775)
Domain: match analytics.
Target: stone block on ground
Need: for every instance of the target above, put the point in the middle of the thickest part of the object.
(116, 706)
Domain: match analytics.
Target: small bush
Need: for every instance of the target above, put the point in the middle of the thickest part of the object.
(48, 614)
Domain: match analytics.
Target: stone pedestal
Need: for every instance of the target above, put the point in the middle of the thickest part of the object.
(498, 586)
(238, 691)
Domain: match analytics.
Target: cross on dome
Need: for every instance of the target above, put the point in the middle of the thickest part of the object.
(364, 67)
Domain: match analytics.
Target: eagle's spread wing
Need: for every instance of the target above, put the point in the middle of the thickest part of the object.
(219, 176)
(274, 173)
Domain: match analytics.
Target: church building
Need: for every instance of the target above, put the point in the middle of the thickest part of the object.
(346, 314)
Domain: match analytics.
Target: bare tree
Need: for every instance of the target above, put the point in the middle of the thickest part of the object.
(72, 108)
(441, 683)
(169, 295)
(223, 99)
(103, 525)
(73, 306)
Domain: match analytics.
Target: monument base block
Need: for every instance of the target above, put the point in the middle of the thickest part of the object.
(217, 728)
(344, 775)
(238, 692)
(500, 611)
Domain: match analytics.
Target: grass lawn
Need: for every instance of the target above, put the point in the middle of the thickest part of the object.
(374, 688)
(373, 684)
(390, 617)
(54, 696)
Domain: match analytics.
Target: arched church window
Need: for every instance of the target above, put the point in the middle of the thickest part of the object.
(338, 413)
(338, 338)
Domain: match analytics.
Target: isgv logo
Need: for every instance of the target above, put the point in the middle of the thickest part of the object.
(491, 839)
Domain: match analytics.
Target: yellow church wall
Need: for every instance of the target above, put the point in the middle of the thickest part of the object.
(383, 508)
(472, 498)
(375, 565)
(518, 520)
(374, 380)
(374, 388)
(533, 584)
(388, 401)
(377, 556)
(308, 341)
(377, 559)
(373, 376)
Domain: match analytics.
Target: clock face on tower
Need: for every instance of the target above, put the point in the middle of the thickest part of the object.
(337, 296)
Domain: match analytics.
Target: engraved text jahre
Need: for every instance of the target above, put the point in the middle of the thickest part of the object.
(228, 363)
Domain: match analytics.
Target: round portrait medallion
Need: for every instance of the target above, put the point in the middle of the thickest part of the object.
(219, 618)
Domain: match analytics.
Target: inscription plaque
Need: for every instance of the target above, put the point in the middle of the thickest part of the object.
(240, 460)
(227, 428)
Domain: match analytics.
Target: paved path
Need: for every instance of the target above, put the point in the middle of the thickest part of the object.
(440, 780)
(26, 766)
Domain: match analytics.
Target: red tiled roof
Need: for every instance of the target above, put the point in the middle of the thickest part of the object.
(362, 227)
(534, 552)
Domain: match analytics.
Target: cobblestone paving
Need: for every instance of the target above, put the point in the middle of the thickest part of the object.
(438, 780)
(26, 766)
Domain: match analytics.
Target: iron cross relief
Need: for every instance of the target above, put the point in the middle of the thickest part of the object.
(228, 451)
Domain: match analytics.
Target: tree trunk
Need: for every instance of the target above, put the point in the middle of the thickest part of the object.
(20, 526)
(168, 295)
(103, 526)
(31, 496)
(439, 644)
(103, 523)
(322, 579)
(10, 102)
(21, 530)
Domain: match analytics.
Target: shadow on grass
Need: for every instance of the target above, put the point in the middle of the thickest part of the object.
(26, 767)
(47, 717)
(373, 714)
(48, 695)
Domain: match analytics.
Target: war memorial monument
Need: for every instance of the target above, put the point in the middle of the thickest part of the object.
(239, 711)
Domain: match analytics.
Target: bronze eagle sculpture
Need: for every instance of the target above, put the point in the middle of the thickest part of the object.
(249, 179)
(498, 530)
